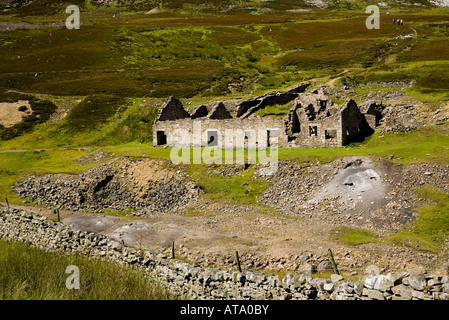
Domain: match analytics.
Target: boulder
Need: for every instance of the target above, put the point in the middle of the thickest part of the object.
(375, 295)
(383, 284)
(405, 292)
(396, 277)
(336, 277)
(324, 266)
(418, 282)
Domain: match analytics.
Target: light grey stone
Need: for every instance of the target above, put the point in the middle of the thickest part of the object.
(383, 283)
(325, 265)
(435, 280)
(336, 278)
(372, 270)
(287, 281)
(328, 287)
(405, 292)
(418, 282)
(445, 287)
(440, 296)
(370, 281)
(375, 295)
(320, 282)
(358, 288)
(396, 277)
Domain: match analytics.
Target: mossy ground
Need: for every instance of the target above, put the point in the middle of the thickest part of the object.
(429, 232)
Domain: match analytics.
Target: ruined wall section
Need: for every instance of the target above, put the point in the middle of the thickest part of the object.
(207, 127)
(372, 112)
(354, 126)
(172, 109)
(199, 112)
(313, 123)
(219, 112)
(248, 107)
(318, 133)
(271, 100)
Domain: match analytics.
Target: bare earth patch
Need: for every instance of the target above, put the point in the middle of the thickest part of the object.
(11, 114)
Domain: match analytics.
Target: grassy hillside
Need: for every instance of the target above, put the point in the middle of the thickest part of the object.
(30, 273)
(101, 85)
(112, 65)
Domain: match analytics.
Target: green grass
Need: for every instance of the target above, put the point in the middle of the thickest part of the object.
(138, 149)
(431, 228)
(201, 52)
(91, 113)
(426, 144)
(274, 110)
(199, 213)
(353, 236)
(93, 120)
(28, 273)
(15, 165)
(240, 189)
(103, 120)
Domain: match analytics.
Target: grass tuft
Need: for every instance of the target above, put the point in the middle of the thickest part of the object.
(31, 273)
(353, 236)
(431, 228)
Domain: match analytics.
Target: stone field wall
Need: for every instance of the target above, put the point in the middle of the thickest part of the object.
(197, 282)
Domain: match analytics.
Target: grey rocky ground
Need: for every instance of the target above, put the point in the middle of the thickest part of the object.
(308, 202)
(118, 185)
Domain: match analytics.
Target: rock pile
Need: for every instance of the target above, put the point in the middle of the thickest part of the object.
(400, 118)
(117, 185)
(306, 191)
(197, 282)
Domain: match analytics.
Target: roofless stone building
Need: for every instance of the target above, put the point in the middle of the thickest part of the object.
(312, 121)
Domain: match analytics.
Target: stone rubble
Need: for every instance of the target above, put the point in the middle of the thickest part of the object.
(197, 282)
(114, 185)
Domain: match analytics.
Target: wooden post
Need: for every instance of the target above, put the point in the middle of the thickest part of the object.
(334, 265)
(57, 212)
(238, 261)
(7, 204)
(173, 250)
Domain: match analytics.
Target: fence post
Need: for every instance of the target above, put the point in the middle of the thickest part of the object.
(238, 261)
(7, 204)
(334, 265)
(57, 212)
(173, 250)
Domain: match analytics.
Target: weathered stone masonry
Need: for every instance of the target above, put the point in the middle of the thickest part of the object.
(198, 282)
(311, 122)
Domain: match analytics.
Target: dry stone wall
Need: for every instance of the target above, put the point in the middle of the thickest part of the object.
(197, 282)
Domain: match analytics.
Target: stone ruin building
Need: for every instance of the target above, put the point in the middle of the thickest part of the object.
(312, 121)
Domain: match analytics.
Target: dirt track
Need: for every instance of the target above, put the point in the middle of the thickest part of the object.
(263, 241)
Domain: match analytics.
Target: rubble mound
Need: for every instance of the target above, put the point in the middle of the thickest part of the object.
(354, 191)
(117, 185)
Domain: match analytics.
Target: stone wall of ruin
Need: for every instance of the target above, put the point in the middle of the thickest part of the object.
(189, 132)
